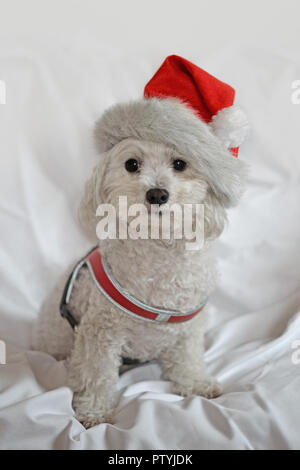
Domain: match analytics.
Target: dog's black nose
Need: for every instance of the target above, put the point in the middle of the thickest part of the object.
(157, 196)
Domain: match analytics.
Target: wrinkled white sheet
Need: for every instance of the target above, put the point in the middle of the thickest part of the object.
(55, 91)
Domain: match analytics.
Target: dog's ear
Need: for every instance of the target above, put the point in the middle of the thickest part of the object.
(92, 197)
(224, 173)
(214, 216)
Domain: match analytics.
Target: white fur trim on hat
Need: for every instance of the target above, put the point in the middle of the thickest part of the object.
(231, 126)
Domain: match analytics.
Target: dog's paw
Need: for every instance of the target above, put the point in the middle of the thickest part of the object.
(208, 387)
(90, 416)
(89, 421)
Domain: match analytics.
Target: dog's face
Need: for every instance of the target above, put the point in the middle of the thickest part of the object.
(151, 174)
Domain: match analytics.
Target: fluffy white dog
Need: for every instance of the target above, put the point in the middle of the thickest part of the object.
(142, 148)
(156, 150)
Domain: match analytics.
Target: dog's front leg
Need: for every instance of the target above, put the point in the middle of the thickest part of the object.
(93, 371)
(184, 366)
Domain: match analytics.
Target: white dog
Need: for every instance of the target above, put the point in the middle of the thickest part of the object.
(152, 151)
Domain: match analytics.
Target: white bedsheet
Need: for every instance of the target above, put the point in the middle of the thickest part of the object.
(54, 92)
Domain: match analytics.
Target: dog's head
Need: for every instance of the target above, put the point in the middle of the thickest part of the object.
(138, 162)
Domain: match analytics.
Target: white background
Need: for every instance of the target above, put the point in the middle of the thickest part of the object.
(188, 27)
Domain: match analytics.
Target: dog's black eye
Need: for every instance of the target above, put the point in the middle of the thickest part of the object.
(179, 165)
(132, 165)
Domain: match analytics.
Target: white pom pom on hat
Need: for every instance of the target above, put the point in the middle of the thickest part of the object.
(231, 126)
(211, 99)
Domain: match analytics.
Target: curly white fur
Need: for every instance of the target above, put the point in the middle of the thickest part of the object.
(157, 272)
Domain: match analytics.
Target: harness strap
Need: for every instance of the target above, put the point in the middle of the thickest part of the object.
(110, 288)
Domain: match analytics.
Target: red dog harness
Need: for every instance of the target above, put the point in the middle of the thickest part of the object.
(114, 293)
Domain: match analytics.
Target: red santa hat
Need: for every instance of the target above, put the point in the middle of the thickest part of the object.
(188, 109)
(211, 99)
